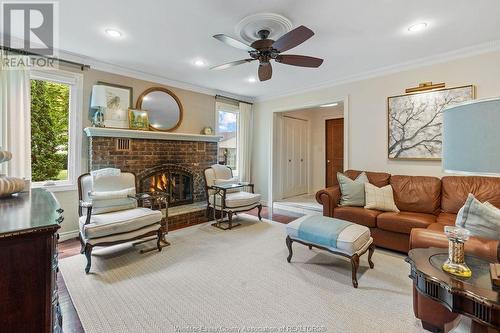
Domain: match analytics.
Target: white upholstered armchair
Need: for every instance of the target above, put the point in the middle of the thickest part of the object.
(228, 196)
(109, 212)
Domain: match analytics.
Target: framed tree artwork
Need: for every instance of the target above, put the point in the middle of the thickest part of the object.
(415, 122)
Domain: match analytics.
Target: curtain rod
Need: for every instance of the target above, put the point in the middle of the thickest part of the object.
(232, 99)
(23, 52)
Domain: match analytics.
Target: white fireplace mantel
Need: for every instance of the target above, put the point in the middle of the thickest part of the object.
(154, 135)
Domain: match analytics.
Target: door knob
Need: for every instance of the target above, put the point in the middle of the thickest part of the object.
(289, 160)
(327, 161)
(302, 160)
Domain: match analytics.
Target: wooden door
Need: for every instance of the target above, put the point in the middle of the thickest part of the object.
(334, 143)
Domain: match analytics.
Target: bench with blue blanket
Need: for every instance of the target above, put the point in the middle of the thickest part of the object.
(334, 235)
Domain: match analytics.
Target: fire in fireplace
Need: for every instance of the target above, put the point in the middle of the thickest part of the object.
(170, 178)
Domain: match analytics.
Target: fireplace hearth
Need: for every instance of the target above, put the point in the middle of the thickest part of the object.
(173, 179)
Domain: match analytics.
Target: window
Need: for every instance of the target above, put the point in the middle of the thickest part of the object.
(227, 127)
(55, 128)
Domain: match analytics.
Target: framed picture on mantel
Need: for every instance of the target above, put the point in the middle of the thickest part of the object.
(415, 122)
(118, 101)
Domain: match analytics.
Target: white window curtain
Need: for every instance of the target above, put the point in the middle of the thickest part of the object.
(245, 141)
(15, 110)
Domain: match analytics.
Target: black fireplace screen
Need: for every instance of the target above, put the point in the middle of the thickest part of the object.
(171, 179)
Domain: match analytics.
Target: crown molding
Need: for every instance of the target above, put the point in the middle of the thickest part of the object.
(491, 46)
(136, 74)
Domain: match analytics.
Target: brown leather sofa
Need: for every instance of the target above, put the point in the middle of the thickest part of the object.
(427, 205)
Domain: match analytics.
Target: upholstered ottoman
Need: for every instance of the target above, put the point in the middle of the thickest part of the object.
(333, 235)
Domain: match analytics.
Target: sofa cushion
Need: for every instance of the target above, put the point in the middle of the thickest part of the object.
(118, 222)
(481, 219)
(359, 215)
(446, 219)
(436, 227)
(380, 198)
(417, 193)
(236, 199)
(352, 191)
(403, 222)
(378, 179)
(455, 190)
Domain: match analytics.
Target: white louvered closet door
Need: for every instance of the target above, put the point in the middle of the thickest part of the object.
(294, 157)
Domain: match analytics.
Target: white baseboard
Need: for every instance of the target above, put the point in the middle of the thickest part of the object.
(63, 236)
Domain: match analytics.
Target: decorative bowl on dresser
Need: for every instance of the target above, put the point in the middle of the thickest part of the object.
(28, 263)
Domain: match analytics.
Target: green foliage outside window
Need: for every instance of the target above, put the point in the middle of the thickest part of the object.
(49, 130)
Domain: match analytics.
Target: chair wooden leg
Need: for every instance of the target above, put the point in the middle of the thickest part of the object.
(371, 249)
(355, 265)
(260, 210)
(88, 255)
(207, 213)
(289, 242)
(230, 219)
(82, 244)
(158, 241)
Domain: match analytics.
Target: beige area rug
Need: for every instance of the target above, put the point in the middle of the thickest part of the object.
(211, 280)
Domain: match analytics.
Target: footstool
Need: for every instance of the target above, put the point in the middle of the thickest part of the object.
(333, 235)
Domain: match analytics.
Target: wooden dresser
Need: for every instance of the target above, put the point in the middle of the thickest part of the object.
(28, 263)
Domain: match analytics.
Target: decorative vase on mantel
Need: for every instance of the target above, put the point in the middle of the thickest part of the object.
(9, 185)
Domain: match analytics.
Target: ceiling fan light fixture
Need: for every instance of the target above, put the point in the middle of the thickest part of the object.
(252, 79)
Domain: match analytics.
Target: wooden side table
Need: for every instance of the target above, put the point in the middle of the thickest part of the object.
(474, 297)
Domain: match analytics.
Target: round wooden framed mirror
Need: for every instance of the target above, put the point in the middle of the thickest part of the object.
(163, 107)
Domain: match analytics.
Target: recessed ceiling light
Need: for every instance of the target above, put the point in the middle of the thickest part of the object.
(417, 27)
(199, 63)
(252, 79)
(328, 105)
(113, 33)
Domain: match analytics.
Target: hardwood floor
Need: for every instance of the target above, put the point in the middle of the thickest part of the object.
(71, 321)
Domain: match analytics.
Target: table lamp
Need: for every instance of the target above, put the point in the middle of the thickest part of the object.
(471, 145)
(98, 101)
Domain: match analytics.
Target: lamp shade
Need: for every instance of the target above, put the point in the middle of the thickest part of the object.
(471, 137)
(98, 98)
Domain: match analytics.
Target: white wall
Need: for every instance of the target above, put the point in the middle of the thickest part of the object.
(367, 108)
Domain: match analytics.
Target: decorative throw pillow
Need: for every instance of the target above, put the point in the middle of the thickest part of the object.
(352, 191)
(229, 181)
(481, 219)
(112, 201)
(380, 198)
(108, 195)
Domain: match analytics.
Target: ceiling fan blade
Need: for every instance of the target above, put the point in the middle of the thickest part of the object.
(231, 64)
(293, 38)
(233, 42)
(299, 60)
(265, 71)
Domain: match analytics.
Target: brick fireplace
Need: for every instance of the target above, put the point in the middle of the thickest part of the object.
(166, 161)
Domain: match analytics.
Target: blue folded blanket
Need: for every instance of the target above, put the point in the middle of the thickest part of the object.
(322, 230)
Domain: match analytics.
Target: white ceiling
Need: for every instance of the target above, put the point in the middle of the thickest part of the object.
(354, 37)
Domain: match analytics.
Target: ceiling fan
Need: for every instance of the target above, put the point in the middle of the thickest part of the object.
(264, 50)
